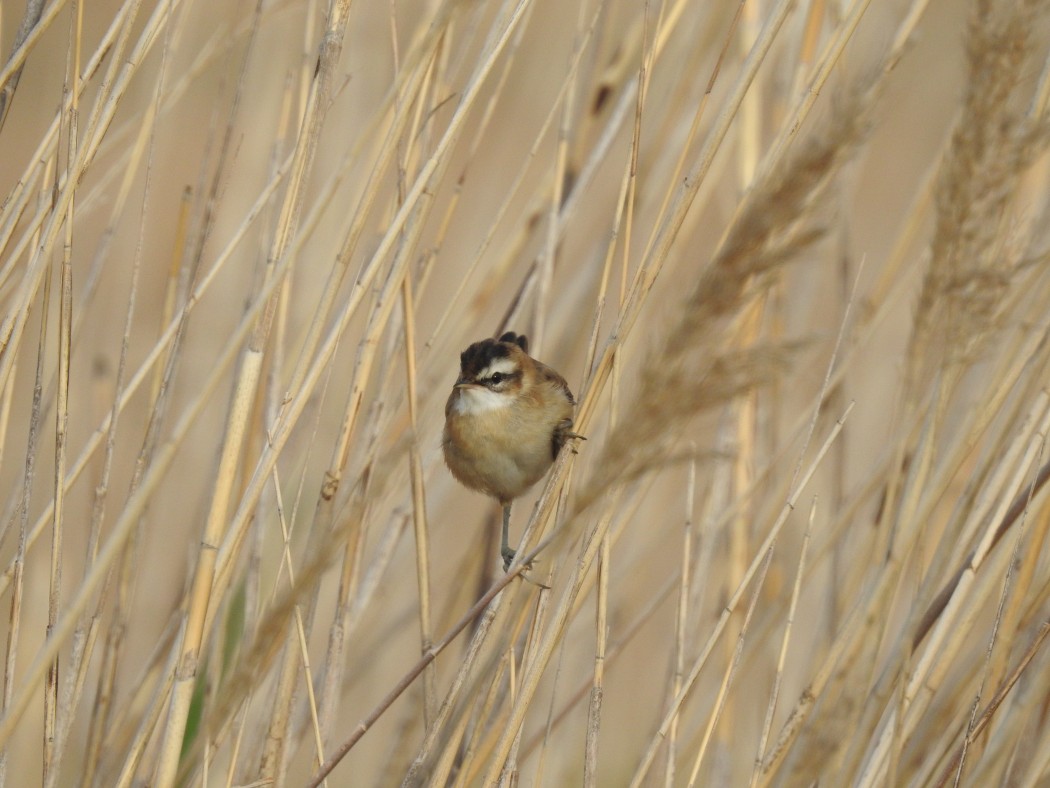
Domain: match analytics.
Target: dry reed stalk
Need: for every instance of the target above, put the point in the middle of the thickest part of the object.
(169, 338)
(767, 551)
(111, 92)
(774, 694)
(18, 569)
(87, 633)
(30, 28)
(969, 274)
(419, 513)
(731, 605)
(594, 706)
(1007, 382)
(681, 624)
(59, 717)
(916, 487)
(215, 527)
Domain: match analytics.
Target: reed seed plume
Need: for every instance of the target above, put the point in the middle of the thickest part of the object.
(973, 256)
(692, 370)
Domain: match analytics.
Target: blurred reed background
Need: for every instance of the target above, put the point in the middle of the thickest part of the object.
(792, 259)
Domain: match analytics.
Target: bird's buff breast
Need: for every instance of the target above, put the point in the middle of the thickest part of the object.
(494, 453)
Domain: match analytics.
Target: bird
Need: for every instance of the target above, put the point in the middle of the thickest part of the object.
(506, 419)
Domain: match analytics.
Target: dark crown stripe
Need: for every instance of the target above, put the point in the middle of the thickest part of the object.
(479, 355)
(518, 339)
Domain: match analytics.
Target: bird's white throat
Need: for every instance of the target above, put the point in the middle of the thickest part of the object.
(475, 399)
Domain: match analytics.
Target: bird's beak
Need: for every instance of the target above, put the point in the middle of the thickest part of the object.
(462, 383)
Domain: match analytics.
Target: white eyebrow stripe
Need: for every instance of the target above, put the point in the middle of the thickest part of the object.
(504, 366)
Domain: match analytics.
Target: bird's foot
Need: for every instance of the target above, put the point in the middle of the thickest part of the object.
(565, 433)
(508, 554)
(508, 558)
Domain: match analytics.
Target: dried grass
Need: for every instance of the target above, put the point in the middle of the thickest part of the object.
(238, 263)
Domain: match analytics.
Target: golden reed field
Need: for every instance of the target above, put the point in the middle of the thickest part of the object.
(792, 259)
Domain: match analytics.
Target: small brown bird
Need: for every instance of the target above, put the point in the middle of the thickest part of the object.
(505, 422)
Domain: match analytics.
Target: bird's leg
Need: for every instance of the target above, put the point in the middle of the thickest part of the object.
(504, 548)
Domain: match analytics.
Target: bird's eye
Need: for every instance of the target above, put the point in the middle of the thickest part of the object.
(496, 378)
